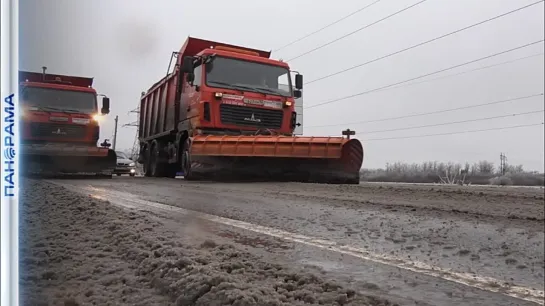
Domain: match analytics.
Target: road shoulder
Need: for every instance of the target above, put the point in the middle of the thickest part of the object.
(77, 250)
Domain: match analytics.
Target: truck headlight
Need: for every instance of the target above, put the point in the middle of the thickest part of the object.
(97, 117)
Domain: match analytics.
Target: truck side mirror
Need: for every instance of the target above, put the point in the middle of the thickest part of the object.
(297, 94)
(105, 144)
(299, 81)
(105, 106)
(187, 64)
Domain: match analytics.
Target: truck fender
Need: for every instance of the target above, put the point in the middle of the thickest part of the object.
(180, 140)
(183, 125)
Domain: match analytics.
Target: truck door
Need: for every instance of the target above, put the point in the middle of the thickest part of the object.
(299, 110)
(190, 100)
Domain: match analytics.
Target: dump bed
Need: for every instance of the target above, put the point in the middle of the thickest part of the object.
(158, 112)
(37, 77)
(193, 46)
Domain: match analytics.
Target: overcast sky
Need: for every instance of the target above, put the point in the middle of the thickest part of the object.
(126, 46)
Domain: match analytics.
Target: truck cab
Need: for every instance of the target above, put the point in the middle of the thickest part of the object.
(235, 90)
(59, 108)
(60, 120)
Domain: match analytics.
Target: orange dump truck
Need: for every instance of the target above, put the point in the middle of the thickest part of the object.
(227, 112)
(60, 126)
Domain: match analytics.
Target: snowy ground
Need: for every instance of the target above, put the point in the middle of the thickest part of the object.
(79, 250)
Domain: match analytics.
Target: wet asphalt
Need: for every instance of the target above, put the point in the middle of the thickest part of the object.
(496, 250)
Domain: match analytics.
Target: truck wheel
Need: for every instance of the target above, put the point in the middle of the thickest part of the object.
(156, 166)
(186, 162)
(146, 163)
(154, 160)
(146, 169)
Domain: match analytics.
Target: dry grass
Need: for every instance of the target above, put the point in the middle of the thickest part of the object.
(481, 173)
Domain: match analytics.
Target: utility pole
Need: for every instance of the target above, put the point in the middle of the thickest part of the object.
(503, 163)
(136, 144)
(115, 132)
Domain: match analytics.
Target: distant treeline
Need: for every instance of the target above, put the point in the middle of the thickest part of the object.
(480, 173)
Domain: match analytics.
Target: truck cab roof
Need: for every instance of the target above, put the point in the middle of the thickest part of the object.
(196, 46)
(47, 78)
(193, 46)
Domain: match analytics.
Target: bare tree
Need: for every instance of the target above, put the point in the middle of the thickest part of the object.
(485, 167)
(514, 169)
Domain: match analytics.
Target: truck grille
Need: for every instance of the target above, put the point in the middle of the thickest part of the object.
(248, 116)
(57, 130)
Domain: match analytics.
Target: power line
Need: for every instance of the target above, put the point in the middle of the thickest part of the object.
(354, 32)
(136, 144)
(425, 42)
(454, 133)
(327, 26)
(440, 78)
(465, 72)
(134, 123)
(453, 122)
(433, 112)
(426, 75)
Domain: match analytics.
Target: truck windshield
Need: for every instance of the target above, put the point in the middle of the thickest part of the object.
(62, 100)
(248, 76)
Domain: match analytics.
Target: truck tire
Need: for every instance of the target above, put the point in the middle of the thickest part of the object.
(146, 170)
(156, 167)
(185, 161)
(146, 164)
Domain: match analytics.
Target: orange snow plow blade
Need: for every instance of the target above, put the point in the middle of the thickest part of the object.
(277, 158)
(62, 159)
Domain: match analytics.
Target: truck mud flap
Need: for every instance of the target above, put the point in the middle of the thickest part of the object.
(333, 160)
(66, 160)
